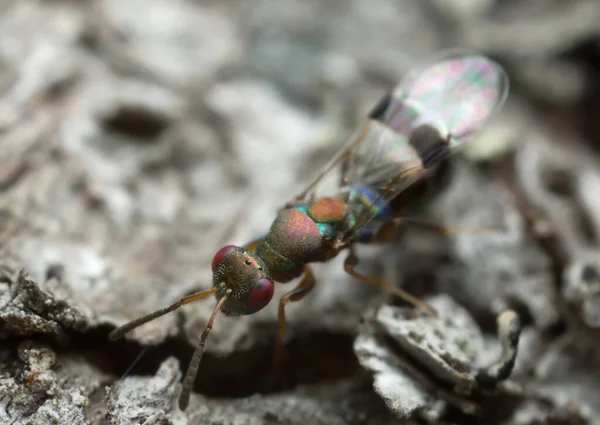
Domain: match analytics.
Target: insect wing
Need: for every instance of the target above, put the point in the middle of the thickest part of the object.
(433, 112)
(458, 92)
(383, 164)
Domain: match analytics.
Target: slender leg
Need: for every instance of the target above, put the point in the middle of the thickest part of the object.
(127, 327)
(349, 266)
(304, 287)
(389, 230)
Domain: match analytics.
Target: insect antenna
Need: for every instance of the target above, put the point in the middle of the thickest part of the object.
(127, 327)
(192, 370)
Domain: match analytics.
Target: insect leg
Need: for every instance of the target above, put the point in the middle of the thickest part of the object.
(389, 230)
(349, 266)
(127, 327)
(509, 330)
(304, 287)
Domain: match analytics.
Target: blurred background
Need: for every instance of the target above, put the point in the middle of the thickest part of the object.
(137, 137)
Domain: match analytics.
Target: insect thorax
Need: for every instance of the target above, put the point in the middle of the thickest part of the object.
(300, 235)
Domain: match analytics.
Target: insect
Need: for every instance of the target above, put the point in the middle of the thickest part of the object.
(434, 111)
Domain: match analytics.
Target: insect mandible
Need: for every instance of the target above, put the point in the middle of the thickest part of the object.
(429, 115)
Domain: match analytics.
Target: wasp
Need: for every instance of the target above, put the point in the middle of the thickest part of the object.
(429, 115)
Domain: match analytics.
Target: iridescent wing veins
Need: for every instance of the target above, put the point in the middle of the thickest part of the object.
(433, 112)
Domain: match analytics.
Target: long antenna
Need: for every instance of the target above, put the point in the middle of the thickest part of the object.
(190, 375)
(127, 327)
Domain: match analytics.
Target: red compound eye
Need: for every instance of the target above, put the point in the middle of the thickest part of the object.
(222, 253)
(260, 295)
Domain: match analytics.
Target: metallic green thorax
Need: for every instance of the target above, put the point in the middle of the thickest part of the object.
(300, 235)
(240, 270)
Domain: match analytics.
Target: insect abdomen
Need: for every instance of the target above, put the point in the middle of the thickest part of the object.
(370, 199)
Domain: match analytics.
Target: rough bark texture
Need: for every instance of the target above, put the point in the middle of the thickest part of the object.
(137, 137)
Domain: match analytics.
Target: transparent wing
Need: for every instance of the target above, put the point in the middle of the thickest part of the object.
(435, 110)
(458, 91)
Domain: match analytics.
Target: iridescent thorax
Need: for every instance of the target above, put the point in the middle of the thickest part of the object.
(299, 235)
